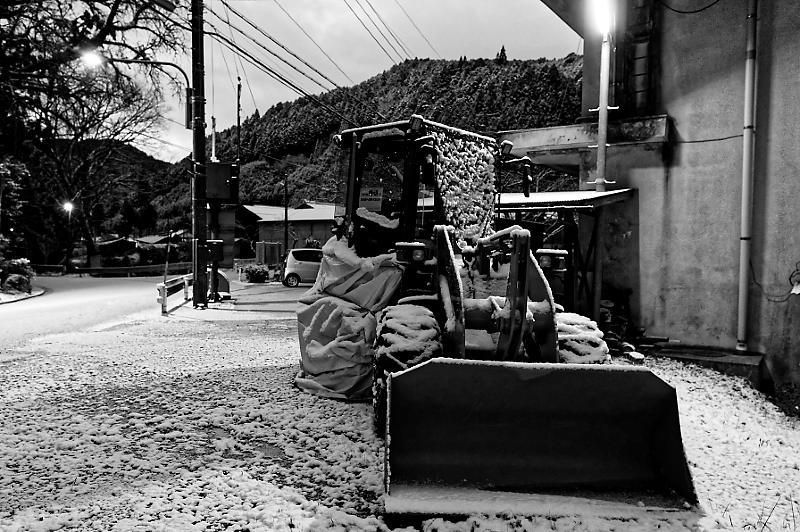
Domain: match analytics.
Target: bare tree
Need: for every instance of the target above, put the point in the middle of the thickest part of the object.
(69, 121)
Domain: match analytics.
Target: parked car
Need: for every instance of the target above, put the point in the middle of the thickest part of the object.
(301, 265)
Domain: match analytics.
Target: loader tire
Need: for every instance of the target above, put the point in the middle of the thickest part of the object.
(394, 351)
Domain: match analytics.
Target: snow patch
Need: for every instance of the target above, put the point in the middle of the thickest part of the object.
(378, 218)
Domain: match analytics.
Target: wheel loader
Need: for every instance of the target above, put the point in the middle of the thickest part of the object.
(477, 410)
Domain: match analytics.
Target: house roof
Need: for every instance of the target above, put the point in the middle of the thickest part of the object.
(262, 211)
(576, 199)
(153, 239)
(310, 212)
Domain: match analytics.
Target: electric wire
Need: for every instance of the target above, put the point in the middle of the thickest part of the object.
(313, 41)
(239, 60)
(241, 53)
(368, 31)
(389, 29)
(688, 11)
(168, 143)
(369, 108)
(232, 43)
(417, 28)
(275, 75)
(227, 68)
(717, 139)
(272, 53)
(794, 279)
(278, 43)
(377, 28)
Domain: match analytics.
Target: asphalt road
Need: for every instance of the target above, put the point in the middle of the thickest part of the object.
(73, 303)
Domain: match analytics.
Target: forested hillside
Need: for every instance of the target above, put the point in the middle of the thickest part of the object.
(295, 138)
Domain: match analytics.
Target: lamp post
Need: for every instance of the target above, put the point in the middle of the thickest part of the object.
(602, 14)
(68, 207)
(194, 120)
(94, 59)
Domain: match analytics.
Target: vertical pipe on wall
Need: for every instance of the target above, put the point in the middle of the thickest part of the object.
(748, 145)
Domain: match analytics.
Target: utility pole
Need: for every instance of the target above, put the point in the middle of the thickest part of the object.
(238, 120)
(199, 221)
(285, 213)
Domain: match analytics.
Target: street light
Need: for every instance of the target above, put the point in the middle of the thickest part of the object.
(94, 59)
(68, 206)
(601, 15)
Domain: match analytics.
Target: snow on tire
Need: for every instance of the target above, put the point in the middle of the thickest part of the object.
(406, 336)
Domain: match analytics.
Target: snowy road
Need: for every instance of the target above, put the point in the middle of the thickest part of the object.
(163, 424)
(71, 303)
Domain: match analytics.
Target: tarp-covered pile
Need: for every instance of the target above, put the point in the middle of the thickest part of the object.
(337, 323)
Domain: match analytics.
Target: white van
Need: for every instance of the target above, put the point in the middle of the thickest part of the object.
(301, 266)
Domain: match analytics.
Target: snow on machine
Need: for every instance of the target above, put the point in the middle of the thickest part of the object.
(477, 407)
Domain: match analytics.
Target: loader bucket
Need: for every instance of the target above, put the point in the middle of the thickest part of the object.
(598, 431)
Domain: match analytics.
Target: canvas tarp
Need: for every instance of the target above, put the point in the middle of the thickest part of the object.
(336, 323)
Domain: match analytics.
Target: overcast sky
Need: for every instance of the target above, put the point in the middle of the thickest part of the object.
(472, 28)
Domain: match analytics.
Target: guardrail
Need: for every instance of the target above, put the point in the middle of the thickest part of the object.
(153, 269)
(173, 286)
(49, 268)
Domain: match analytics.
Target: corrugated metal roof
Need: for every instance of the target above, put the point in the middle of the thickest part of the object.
(263, 210)
(316, 213)
(550, 200)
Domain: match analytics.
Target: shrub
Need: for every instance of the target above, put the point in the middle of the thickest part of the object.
(256, 273)
(15, 273)
(17, 283)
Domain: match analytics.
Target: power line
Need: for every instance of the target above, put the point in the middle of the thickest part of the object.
(315, 42)
(367, 107)
(389, 29)
(227, 68)
(277, 42)
(164, 141)
(379, 30)
(417, 28)
(261, 66)
(239, 53)
(368, 31)
(271, 52)
(237, 58)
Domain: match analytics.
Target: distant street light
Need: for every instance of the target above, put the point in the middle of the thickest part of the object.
(68, 206)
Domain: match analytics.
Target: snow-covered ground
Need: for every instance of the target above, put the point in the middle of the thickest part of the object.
(169, 425)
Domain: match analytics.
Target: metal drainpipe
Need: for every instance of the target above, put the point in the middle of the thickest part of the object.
(748, 145)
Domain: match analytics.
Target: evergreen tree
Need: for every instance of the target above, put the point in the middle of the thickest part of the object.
(501, 58)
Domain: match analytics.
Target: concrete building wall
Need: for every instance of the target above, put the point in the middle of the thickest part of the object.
(688, 203)
(300, 230)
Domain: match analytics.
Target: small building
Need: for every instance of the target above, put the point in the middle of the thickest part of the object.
(708, 245)
(309, 221)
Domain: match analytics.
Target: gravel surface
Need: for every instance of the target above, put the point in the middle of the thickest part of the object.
(163, 424)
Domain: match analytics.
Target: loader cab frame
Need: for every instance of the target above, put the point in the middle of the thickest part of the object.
(392, 175)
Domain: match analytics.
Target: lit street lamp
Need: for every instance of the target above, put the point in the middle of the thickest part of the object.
(94, 59)
(68, 207)
(602, 15)
(195, 120)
